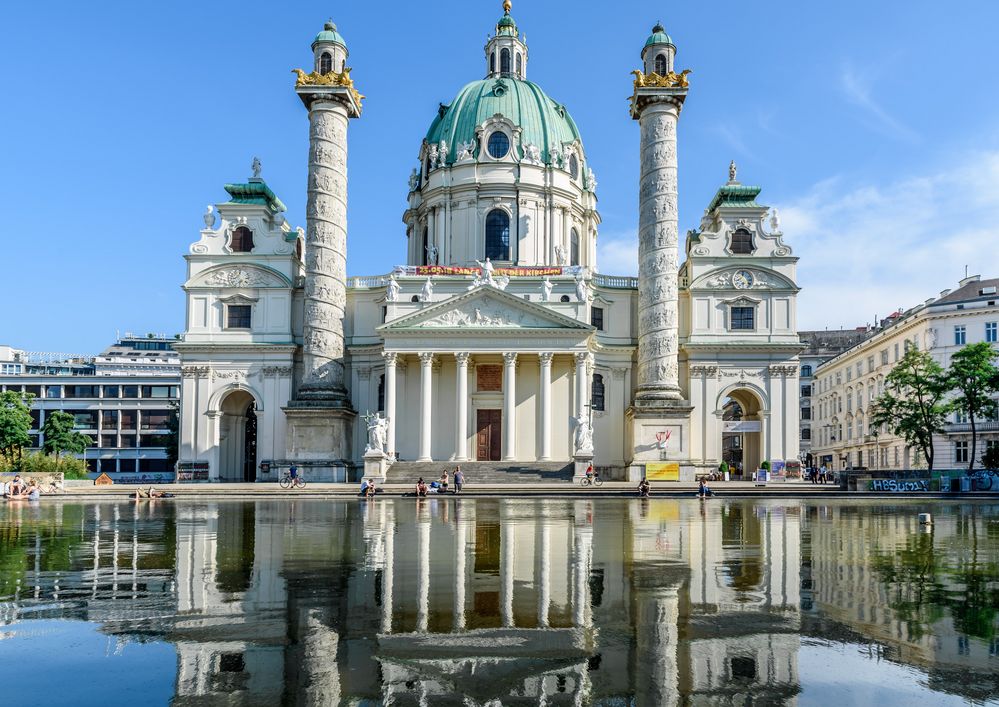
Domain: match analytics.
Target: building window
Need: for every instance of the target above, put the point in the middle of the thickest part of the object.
(82, 391)
(520, 64)
(870, 364)
(499, 144)
(563, 299)
(806, 391)
(492, 63)
(237, 316)
(960, 417)
(990, 332)
(425, 247)
(159, 391)
(597, 392)
(574, 247)
(896, 351)
(661, 65)
(325, 63)
(884, 357)
(806, 413)
(806, 371)
(597, 318)
(960, 335)
(742, 318)
(742, 242)
(505, 61)
(573, 166)
(960, 452)
(381, 393)
(498, 233)
(806, 434)
(241, 240)
(53, 391)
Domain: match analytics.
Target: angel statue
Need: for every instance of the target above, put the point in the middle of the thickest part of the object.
(465, 150)
(582, 289)
(560, 254)
(532, 153)
(584, 435)
(432, 254)
(414, 180)
(774, 220)
(392, 289)
(209, 216)
(502, 281)
(256, 167)
(432, 156)
(442, 151)
(557, 155)
(377, 427)
(591, 180)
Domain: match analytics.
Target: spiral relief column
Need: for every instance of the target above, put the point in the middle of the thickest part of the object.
(320, 418)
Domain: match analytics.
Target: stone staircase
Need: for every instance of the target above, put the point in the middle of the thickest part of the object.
(483, 473)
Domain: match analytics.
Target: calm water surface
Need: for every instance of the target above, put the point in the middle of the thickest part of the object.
(495, 602)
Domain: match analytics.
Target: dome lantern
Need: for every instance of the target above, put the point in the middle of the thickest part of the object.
(506, 51)
(659, 52)
(329, 50)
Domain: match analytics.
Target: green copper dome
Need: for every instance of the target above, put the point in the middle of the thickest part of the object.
(329, 35)
(543, 122)
(659, 36)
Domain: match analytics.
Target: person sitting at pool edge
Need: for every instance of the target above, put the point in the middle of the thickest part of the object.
(644, 488)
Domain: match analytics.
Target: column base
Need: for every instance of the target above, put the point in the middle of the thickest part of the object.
(659, 433)
(319, 437)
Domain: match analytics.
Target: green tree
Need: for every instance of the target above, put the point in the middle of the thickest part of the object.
(913, 404)
(974, 377)
(60, 436)
(15, 421)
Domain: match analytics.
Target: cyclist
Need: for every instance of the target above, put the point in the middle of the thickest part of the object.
(293, 474)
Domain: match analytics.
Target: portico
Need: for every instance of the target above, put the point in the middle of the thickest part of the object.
(487, 376)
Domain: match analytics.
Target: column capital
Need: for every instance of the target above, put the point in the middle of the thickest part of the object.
(546, 358)
(426, 358)
(462, 357)
(391, 358)
(510, 358)
(584, 358)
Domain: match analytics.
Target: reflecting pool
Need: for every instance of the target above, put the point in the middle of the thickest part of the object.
(499, 602)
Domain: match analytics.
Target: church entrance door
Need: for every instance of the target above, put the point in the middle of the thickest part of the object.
(488, 431)
(238, 438)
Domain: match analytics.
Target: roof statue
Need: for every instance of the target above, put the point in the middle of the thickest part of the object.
(732, 170)
(256, 167)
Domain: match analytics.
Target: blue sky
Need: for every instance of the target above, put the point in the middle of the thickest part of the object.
(873, 126)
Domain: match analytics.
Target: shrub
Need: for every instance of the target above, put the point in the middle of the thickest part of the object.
(38, 463)
(765, 465)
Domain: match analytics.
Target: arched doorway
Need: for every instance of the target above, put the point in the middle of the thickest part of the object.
(238, 438)
(742, 426)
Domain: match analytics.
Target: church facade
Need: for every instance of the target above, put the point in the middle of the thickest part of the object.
(498, 340)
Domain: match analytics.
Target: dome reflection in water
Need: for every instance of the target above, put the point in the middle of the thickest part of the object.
(488, 601)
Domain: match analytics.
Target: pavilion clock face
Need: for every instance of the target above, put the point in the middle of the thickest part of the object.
(743, 279)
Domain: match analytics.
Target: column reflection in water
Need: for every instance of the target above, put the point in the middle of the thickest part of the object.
(507, 568)
(423, 564)
(656, 625)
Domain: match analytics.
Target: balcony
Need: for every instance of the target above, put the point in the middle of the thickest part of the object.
(980, 426)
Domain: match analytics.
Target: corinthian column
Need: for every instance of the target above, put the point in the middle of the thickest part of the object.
(657, 109)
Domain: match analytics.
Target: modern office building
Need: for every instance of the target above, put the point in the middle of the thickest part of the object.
(122, 399)
(845, 386)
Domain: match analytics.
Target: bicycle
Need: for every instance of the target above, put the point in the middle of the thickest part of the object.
(287, 482)
(983, 480)
(593, 480)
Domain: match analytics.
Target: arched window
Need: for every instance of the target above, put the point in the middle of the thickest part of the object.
(498, 235)
(806, 371)
(424, 254)
(499, 144)
(573, 247)
(563, 299)
(298, 248)
(241, 240)
(573, 166)
(492, 63)
(520, 64)
(662, 68)
(742, 242)
(426, 168)
(597, 392)
(505, 61)
(325, 63)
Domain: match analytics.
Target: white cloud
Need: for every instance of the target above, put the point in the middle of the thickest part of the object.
(866, 250)
(617, 254)
(857, 85)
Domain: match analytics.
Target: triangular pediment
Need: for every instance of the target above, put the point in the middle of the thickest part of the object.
(485, 308)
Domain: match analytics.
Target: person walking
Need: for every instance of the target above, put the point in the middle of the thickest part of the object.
(459, 480)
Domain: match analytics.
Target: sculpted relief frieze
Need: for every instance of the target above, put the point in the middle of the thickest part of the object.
(486, 314)
(240, 277)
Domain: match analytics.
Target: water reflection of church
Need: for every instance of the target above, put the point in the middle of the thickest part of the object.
(502, 602)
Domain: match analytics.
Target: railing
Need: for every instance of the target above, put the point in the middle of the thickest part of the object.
(980, 426)
(373, 281)
(616, 282)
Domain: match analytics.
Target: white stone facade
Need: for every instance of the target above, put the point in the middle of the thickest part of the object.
(531, 357)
